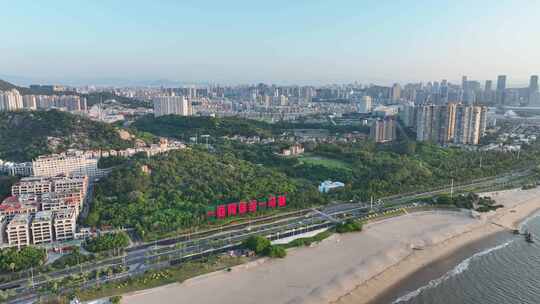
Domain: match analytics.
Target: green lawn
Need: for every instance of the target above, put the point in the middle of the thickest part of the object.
(323, 161)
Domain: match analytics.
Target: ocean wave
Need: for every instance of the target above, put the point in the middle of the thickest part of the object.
(460, 268)
(524, 223)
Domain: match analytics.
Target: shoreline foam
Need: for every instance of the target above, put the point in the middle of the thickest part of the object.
(512, 216)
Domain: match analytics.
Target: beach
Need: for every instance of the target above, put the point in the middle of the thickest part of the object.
(351, 268)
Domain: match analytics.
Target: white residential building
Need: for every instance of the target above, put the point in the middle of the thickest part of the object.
(62, 200)
(11, 101)
(13, 205)
(38, 186)
(365, 105)
(18, 231)
(30, 102)
(66, 164)
(17, 169)
(42, 228)
(65, 224)
(166, 105)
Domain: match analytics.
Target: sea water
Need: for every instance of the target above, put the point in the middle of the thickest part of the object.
(507, 271)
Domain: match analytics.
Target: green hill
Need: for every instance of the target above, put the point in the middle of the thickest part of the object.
(183, 127)
(177, 188)
(25, 135)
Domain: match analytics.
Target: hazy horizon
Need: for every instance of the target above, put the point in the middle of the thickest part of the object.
(119, 82)
(237, 42)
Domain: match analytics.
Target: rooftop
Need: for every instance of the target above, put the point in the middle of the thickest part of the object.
(38, 179)
(43, 216)
(13, 203)
(20, 219)
(64, 214)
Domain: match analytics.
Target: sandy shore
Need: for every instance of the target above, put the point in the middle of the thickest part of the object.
(350, 268)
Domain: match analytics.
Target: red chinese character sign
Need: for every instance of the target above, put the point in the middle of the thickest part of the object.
(242, 208)
(282, 201)
(271, 202)
(231, 209)
(221, 212)
(252, 206)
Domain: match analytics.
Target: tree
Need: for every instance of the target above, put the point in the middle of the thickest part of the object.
(115, 299)
(182, 187)
(444, 199)
(275, 252)
(349, 226)
(5, 185)
(257, 243)
(25, 135)
(106, 242)
(13, 259)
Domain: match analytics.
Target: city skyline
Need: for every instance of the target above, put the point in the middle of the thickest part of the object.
(511, 83)
(301, 42)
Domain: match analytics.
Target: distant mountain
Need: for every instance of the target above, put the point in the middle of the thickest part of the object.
(23, 81)
(4, 85)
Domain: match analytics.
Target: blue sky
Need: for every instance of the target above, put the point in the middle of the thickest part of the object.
(273, 41)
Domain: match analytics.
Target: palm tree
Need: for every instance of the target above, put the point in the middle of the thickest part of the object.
(97, 276)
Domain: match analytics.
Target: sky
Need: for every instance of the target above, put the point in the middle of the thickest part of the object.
(278, 41)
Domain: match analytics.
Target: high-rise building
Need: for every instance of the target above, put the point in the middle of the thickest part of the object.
(424, 116)
(501, 89)
(11, 101)
(534, 97)
(42, 228)
(489, 85)
(172, 105)
(365, 105)
(38, 186)
(396, 92)
(439, 124)
(283, 100)
(29, 102)
(447, 116)
(190, 92)
(444, 92)
(13, 205)
(533, 83)
(65, 224)
(488, 95)
(460, 124)
(436, 123)
(464, 83)
(18, 231)
(383, 129)
(66, 164)
(501, 82)
(469, 124)
(469, 96)
(407, 114)
(61, 201)
(483, 121)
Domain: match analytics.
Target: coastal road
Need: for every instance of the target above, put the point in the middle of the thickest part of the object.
(191, 246)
